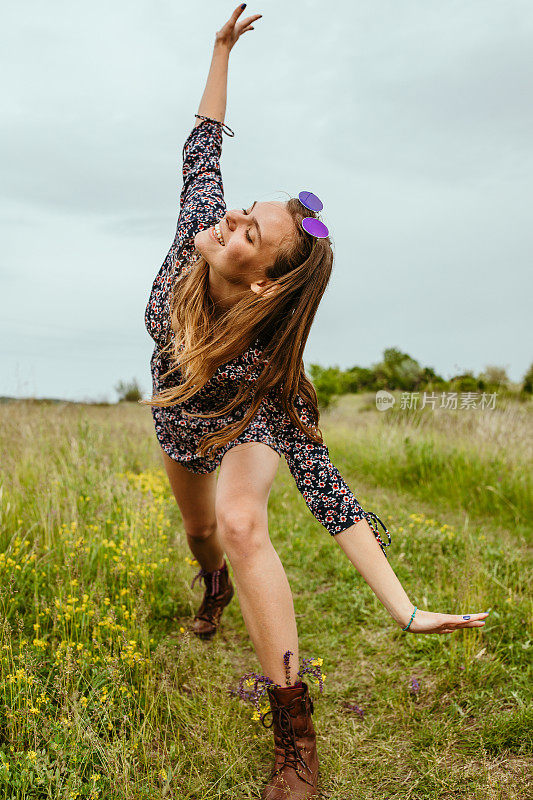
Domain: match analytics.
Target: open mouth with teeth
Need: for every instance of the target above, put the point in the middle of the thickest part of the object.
(217, 234)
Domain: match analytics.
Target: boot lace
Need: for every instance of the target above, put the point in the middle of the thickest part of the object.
(291, 753)
(214, 580)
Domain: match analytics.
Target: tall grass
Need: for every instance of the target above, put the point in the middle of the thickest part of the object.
(105, 694)
(475, 460)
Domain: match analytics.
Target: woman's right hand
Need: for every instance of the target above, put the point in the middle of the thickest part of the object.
(430, 622)
(230, 32)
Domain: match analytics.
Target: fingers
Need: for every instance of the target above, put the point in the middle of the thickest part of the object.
(463, 620)
(448, 623)
(456, 622)
(237, 13)
(245, 23)
(462, 626)
(466, 619)
(467, 624)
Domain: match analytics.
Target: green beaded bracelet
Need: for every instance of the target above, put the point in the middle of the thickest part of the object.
(412, 618)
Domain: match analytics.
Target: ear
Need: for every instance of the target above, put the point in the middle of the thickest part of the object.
(265, 287)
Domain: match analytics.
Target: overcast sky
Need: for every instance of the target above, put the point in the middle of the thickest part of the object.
(411, 119)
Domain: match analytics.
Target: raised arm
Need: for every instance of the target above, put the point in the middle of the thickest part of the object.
(202, 194)
(213, 102)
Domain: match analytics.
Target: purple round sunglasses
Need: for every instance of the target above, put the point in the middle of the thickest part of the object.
(313, 225)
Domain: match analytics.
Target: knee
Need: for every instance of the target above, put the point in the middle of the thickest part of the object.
(199, 530)
(243, 531)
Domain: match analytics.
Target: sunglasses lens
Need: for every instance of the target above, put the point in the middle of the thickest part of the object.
(310, 201)
(315, 227)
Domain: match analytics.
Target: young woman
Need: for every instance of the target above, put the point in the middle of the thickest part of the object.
(230, 311)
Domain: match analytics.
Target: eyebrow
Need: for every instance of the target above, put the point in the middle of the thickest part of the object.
(255, 222)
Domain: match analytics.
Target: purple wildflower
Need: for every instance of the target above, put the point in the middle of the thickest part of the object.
(286, 660)
(252, 686)
(415, 686)
(354, 707)
(253, 694)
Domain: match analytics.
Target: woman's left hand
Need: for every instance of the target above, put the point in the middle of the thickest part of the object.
(230, 32)
(428, 622)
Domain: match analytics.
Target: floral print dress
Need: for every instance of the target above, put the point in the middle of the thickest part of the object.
(326, 494)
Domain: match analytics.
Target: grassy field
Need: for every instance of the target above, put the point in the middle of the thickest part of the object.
(105, 694)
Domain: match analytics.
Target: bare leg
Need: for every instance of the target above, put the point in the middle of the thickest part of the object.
(195, 495)
(244, 482)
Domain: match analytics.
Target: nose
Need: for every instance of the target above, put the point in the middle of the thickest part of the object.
(233, 218)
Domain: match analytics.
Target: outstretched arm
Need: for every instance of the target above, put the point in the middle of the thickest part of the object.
(331, 501)
(213, 102)
(361, 548)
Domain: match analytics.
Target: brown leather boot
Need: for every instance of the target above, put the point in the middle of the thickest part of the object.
(295, 772)
(218, 592)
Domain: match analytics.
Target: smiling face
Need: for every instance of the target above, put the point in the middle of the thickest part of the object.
(243, 244)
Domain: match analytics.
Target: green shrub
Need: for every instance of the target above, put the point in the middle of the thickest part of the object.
(527, 385)
(128, 391)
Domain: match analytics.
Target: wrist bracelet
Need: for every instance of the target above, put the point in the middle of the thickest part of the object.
(225, 127)
(412, 618)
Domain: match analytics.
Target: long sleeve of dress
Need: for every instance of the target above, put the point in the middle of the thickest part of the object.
(201, 204)
(326, 493)
(202, 195)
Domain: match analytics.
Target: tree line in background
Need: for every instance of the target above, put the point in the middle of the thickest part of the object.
(397, 370)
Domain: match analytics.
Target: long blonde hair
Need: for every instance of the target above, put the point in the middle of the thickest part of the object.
(281, 319)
